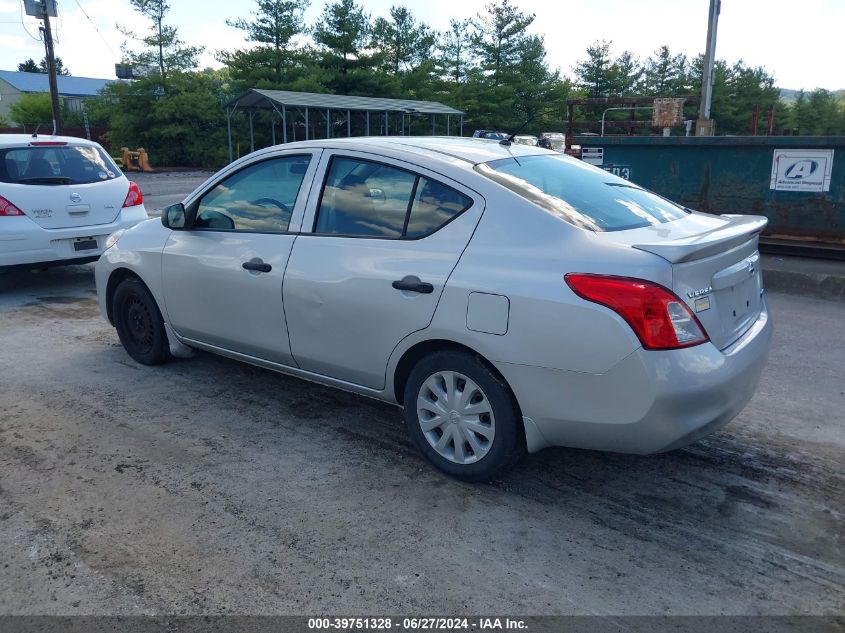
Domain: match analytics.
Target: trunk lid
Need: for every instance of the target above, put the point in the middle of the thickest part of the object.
(68, 206)
(715, 268)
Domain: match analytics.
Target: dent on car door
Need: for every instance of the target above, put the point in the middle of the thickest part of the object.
(223, 274)
(386, 236)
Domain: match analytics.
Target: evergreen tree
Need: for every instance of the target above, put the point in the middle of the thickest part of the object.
(276, 62)
(499, 38)
(29, 66)
(163, 52)
(455, 51)
(402, 42)
(595, 73)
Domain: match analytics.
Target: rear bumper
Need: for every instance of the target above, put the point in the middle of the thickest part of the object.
(652, 401)
(23, 242)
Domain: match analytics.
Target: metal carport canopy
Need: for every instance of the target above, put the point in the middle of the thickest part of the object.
(280, 100)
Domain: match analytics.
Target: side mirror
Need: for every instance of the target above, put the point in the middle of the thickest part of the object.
(174, 217)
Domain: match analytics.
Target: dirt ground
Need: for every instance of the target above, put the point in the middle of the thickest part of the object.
(209, 486)
(164, 188)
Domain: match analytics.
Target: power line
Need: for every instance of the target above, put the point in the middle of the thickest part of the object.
(96, 29)
(23, 24)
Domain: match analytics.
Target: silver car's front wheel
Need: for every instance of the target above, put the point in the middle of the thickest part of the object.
(456, 417)
(463, 416)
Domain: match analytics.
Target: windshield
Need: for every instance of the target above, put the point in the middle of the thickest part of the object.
(581, 194)
(56, 165)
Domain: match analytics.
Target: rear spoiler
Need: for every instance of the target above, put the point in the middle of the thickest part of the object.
(740, 229)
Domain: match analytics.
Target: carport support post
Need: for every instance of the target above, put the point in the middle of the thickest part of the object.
(251, 139)
(448, 126)
(229, 130)
(284, 124)
(368, 122)
(272, 129)
(462, 125)
(385, 124)
(328, 119)
(306, 123)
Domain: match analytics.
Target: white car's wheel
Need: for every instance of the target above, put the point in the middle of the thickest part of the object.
(462, 416)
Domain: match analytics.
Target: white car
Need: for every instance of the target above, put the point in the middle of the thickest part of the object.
(508, 297)
(60, 199)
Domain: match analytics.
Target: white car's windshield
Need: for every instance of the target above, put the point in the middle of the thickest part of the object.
(580, 194)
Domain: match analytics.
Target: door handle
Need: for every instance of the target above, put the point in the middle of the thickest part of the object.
(412, 283)
(258, 266)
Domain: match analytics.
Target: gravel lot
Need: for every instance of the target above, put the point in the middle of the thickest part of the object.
(161, 189)
(210, 487)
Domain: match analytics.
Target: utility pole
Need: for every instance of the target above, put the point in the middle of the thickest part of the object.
(704, 126)
(51, 69)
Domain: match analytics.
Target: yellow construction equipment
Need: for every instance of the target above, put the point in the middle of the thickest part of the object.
(135, 161)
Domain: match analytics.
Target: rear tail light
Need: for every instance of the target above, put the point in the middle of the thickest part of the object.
(8, 209)
(658, 317)
(134, 197)
(47, 143)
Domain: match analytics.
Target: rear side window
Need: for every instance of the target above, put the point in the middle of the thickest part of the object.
(257, 199)
(586, 197)
(368, 199)
(56, 165)
(434, 205)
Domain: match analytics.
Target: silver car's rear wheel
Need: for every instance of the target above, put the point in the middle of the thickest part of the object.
(462, 415)
(456, 417)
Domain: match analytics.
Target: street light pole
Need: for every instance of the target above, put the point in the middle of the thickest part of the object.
(51, 70)
(705, 124)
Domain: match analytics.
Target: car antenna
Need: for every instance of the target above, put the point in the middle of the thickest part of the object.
(507, 141)
(35, 133)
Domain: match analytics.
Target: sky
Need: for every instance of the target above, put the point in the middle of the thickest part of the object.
(799, 42)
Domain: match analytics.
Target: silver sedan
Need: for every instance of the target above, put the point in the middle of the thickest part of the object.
(508, 297)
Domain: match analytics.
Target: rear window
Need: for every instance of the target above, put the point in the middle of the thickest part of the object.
(581, 195)
(56, 165)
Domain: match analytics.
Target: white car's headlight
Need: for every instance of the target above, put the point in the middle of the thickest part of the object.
(114, 237)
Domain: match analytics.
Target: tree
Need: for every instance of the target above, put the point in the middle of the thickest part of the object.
(29, 66)
(185, 126)
(164, 52)
(625, 75)
(455, 51)
(536, 89)
(275, 24)
(60, 67)
(819, 113)
(499, 38)
(595, 73)
(32, 110)
(665, 75)
(342, 30)
(403, 43)
(343, 33)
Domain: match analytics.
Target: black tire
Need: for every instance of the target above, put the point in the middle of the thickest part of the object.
(139, 324)
(508, 443)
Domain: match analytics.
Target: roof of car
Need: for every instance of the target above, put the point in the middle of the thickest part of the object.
(472, 150)
(7, 140)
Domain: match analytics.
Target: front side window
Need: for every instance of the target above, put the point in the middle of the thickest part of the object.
(257, 199)
(584, 196)
(367, 199)
(56, 165)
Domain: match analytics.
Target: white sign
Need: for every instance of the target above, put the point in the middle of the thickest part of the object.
(801, 169)
(593, 155)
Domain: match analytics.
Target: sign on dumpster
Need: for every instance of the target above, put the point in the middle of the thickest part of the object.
(592, 155)
(801, 169)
